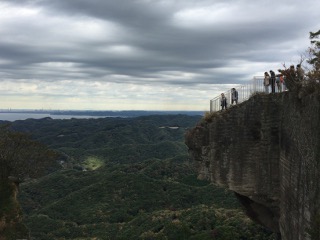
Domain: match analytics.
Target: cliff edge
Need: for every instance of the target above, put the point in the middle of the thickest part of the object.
(267, 150)
(11, 226)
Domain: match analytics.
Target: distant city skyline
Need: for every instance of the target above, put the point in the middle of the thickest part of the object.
(143, 54)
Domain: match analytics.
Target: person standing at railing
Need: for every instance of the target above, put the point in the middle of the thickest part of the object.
(292, 73)
(223, 101)
(282, 86)
(273, 81)
(278, 83)
(234, 96)
(300, 72)
(266, 82)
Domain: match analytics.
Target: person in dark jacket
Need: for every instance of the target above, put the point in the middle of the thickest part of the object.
(300, 73)
(273, 81)
(234, 96)
(223, 101)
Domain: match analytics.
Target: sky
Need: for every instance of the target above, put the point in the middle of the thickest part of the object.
(143, 54)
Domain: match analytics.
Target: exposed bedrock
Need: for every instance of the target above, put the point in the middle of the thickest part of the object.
(267, 150)
(11, 226)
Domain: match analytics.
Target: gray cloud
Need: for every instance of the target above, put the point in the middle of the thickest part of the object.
(153, 43)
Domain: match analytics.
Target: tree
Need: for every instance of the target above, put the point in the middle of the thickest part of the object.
(314, 59)
(313, 73)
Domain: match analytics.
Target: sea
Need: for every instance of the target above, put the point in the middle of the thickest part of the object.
(23, 115)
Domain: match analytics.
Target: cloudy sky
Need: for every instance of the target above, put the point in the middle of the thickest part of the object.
(143, 54)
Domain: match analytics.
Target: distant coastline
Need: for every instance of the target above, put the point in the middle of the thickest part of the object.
(14, 115)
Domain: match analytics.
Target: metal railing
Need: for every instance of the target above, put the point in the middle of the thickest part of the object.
(244, 92)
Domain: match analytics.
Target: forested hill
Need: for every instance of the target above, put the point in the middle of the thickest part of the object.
(126, 178)
(124, 140)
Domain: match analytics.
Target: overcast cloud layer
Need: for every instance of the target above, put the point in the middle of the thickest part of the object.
(143, 54)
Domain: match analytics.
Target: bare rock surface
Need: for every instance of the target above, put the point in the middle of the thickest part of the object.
(267, 150)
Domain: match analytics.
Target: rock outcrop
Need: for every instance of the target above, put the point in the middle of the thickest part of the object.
(267, 150)
(11, 226)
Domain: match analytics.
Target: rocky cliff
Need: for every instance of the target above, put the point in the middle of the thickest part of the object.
(11, 226)
(267, 150)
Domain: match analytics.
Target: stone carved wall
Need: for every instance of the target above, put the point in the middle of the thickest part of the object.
(267, 150)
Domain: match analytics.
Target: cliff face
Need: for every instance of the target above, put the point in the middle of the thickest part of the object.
(267, 150)
(11, 226)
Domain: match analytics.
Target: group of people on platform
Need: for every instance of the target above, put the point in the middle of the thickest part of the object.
(234, 99)
(277, 82)
(272, 81)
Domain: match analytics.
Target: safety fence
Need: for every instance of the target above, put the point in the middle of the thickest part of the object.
(244, 92)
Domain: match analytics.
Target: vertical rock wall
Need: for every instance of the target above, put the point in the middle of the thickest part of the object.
(300, 167)
(11, 226)
(267, 151)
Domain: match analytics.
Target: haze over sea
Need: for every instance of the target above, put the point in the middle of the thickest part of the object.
(25, 114)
